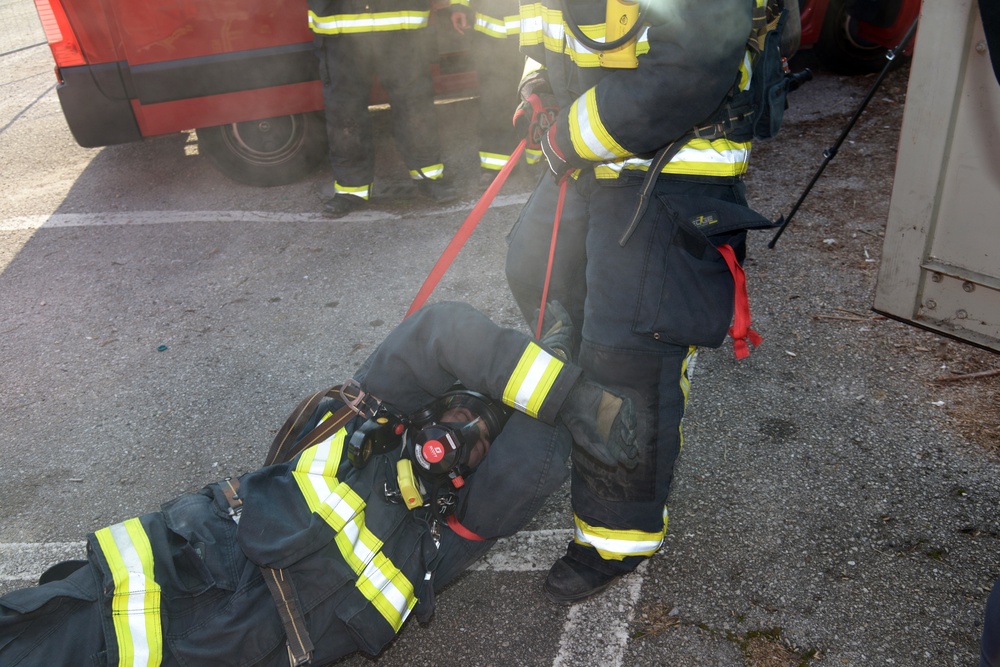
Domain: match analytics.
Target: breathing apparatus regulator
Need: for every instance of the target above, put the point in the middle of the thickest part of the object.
(434, 455)
(623, 21)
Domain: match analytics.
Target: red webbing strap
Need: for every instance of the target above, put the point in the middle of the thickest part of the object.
(552, 254)
(743, 336)
(461, 530)
(464, 232)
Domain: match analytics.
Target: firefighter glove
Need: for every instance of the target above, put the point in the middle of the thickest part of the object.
(534, 116)
(602, 423)
(557, 329)
(557, 161)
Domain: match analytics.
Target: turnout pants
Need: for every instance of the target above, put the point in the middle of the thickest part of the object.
(498, 68)
(641, 309)
(348, 64)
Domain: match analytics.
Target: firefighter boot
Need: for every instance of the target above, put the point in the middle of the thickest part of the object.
(602, 423)
(572, 580)
(340, 205)
(438, 190)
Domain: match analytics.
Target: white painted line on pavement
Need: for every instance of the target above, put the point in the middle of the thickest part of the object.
(596, 631)
(527, 551)
(132, 218)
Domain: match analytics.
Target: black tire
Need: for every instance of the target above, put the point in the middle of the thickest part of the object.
(840, 49)
(266, 152)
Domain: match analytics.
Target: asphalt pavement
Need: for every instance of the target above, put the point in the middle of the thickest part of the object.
(158, 322)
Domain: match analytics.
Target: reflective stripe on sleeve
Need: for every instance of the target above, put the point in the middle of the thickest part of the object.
(529, 384)
(135, 602)
(497, 27)
(614, 544)
(591, 140)
(367, 22)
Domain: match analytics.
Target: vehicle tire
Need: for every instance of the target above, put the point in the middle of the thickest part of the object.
(840, 49)
(269, 151)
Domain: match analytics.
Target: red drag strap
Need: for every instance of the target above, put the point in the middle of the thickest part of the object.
(464, 232)
(743, 336)
(460, 530)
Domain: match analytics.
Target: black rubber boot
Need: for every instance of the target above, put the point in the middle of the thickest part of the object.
(341, 205)
(571, 581)
(438, 190)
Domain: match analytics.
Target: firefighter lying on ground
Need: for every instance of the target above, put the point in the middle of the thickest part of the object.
(329, 549)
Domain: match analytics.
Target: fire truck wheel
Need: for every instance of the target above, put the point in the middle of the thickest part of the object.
(841, 49)
(266, 152)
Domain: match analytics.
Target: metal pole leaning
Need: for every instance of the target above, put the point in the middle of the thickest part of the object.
(831, 152)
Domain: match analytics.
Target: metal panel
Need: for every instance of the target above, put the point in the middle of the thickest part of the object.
(941, 256)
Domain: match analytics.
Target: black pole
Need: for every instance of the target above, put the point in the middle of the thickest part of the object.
(831, 152)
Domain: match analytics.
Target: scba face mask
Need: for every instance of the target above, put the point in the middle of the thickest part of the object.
(441, 450)
(435, 455)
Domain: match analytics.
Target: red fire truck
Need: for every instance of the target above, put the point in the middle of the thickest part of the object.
(240, 72)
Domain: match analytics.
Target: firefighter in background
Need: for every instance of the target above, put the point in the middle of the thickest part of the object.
(499, 65)
(355, 41)
(330, 548)
(644, 286)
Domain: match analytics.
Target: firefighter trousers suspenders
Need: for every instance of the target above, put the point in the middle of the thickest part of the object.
(297, 639)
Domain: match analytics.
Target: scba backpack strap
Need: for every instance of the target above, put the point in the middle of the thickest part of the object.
(289, 441)
(770, 84)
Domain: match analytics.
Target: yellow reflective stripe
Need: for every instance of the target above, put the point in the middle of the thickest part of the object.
(388, 589)
(614, 544)
(367, 22)
(497, 27)
(363, 191)
(701, 157)
(686, 367)
(316, 476)
(529, 384)
(591, 140)
(544, 25)
(342, 509)
(433, 172)
(492, 161)
(531, 30)
(135, 603)
(746, 70)
(461, 3)
(720, 157)
(533, 156)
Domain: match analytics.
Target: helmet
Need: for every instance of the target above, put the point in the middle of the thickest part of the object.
(440, 450)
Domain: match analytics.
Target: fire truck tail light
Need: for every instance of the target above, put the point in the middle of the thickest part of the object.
(59, 33)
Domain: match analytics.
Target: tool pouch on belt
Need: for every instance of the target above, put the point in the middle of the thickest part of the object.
(688, 290)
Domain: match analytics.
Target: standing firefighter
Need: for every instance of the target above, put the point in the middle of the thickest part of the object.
(653, 138)
(498, 62)
(355, 41)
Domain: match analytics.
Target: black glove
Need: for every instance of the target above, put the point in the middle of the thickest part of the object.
(534, 116)
(557, 162)
(602, 423)
(557, 329)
